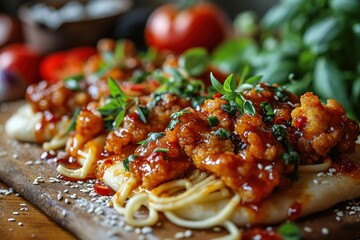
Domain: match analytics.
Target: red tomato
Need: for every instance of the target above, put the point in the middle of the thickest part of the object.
(59, 65)
(176, 30)
(21, 60)
(103, 189)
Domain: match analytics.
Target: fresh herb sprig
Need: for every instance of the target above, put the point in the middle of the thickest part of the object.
(151, 137)
(290, 157)
(173, 81)
(126, 161)
(115, 108)
(235, 98)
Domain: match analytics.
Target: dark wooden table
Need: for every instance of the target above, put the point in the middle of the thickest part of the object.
(19, 219)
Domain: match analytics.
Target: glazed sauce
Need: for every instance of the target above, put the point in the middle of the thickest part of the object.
(47, 126)
(345, 166)
(294, 211)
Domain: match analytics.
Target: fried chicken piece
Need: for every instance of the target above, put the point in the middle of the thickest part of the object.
(321, 127)
(133, 130)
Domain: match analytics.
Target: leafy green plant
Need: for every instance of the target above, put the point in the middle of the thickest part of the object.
(315, 42)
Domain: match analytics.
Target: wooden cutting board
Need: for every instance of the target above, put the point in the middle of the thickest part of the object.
(87, 217)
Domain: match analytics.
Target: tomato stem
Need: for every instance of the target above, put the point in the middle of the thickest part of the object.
(185, 4)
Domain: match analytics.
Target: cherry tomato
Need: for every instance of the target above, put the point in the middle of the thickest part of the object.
(18, 69)
(174, 29)
(59, 65)
(103, 189)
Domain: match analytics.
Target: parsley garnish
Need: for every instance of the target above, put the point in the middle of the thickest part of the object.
(177, 84)
(213, 121)
(151, 137)
(162, 150)
(290, 157)
(268, 110)
(222, 133)
(175, 118)
(141, 111)
(73, 82)
(72, 123)
(115, 107)
(236, 101)
(127, 161)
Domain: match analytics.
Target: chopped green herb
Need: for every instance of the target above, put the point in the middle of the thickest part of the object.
(289, 231)
(280, 132)
(236, 101)
(290, 157)
(222, 133)
(177, 84)
(115, 108)
(194, 61)
(162, 150)
(151, 137)
(73, 82)
(213, 121)
(127, 161)
(139, 76)
(268, 111)
(175, 118)
(142, 111)
(72, 123)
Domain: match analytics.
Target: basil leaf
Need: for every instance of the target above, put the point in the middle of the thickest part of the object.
(345, 6)
(319, 35)
(249, 108)
(115, 90)
(328, 82)
(277, 73)
(281, 13)
(194, 61)
(229, 83)
(142, 112)
(216, 84)
(223, 56)
(119, 118)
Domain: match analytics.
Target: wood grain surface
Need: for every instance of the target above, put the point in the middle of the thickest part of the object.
(75, 207)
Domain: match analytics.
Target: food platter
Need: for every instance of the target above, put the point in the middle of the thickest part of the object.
(76, 207)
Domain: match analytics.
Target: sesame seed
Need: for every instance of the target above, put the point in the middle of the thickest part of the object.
(67, 201)
(11, 219)
(137, 230)
(59, 196)
(188, 233)
(15, 213)
(38, 162)
(146, 230)
(316, 181)
(15, 156)
(20, 224)
(29, 163)
(179, 235)
(320, 174)
(216, 229)
(66, 190)
(128, 228)
(307, 229)
(325, 231)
